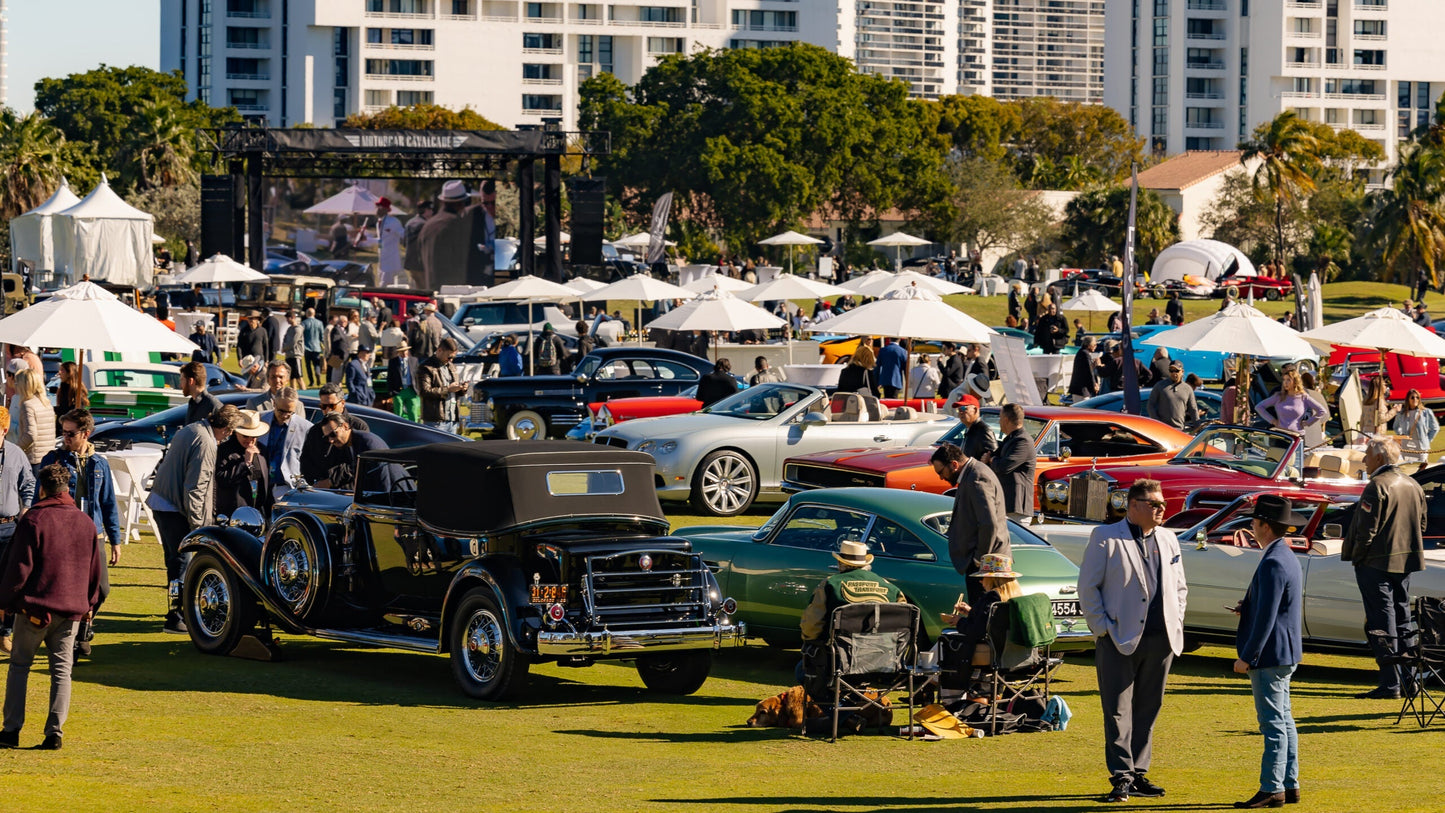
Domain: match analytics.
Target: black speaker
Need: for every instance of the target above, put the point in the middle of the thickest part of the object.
(219, 213)
(588, 196)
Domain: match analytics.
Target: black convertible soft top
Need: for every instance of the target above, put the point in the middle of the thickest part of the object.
(471, 489)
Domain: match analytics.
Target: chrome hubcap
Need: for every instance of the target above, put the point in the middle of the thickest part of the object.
(727, 484)
(484, 644)
(293, 572)
(213, 603)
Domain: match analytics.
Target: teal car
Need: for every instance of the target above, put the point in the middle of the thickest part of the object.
(772, 571)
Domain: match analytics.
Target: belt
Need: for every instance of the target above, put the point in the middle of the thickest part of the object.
(6, 520)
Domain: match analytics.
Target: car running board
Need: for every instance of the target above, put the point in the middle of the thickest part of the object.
(382, 639)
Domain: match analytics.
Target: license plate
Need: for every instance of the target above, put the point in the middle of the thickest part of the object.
(1067, 609)
(551, 594)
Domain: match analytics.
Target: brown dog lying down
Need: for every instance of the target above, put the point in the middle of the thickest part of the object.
(790, 709)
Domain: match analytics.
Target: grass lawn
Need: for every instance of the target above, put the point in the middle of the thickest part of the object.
(156, 726)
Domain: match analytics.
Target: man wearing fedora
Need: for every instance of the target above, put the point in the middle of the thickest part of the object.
(1132, 593)
(1269, 643)
(242, 475)
(444, 240)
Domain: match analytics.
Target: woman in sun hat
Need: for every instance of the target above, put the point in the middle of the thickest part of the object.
(241, 469)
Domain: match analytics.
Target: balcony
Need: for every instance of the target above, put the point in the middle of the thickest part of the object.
(264, 14)
(500, 18)
(399, 46)
(1204, 66)
(1305, 35)
(1296, 66)
(1361, 127)
(1206, 5)
(548, 19)
(460, 17)
(651, 23)
(1371, 37)
(1357, 97)
(252, 108)
(1359, 67)
(543, 51)
(1204, 35)
(248, 46)
(399, 15)
(397, 77)
(791, 29)
(1204, 125)
(1299, 94)
(1310, 5)
(585, 21)
(1210, 95)
(1368, 6)
(541, 81)
(249, 77)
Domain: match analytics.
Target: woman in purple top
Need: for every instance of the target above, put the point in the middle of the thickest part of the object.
(1292, 409)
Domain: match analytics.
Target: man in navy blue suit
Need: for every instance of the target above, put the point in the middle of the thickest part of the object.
(1269, 643)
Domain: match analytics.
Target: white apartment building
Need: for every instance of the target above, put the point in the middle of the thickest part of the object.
(1202, 74)
(287, 62)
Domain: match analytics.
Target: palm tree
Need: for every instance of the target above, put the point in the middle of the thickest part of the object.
(1288, 154)
(31, 161)
(159, 151)
(1409, 218)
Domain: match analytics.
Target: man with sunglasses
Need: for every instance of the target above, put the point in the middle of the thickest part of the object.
(315, 449)
(93, 489)
(346, 447)
(1132, 593)
(979, 441)
(284, 440)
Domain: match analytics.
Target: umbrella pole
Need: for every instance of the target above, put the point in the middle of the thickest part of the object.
(531, 341)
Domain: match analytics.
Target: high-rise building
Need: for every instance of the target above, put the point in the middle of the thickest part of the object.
(1202, 74)
(287, 62)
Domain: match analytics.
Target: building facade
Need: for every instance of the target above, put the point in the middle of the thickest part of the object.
(1202, 74)
(288, 62)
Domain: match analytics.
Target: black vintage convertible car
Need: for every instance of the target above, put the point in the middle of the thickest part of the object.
(500, 554)
(539, 406)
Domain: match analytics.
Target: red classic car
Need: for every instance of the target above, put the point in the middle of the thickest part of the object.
(1061, 434)
(1404, 373)
(1223, 462)
(1261, 286)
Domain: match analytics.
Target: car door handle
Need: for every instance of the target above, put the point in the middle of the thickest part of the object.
(881, 438)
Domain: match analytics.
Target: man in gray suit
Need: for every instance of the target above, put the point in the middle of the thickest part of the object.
(278, 375)
(1132, 593)
(283, 441)
(979, 525)
(1014, 463)
(1386, 543)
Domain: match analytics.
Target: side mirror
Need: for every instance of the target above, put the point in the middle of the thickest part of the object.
(1333, 530)
(468, 322)
(581, 379)
(815, 419)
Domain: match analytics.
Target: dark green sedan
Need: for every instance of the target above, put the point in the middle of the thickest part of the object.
(773, 570)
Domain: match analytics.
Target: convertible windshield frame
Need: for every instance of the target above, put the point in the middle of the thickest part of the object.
(1266, 453)
(761, 403)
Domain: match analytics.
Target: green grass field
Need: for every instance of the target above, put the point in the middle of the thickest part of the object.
(156, 726)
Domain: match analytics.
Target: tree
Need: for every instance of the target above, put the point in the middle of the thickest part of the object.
(159, 150)
(1288, 153)
(177, 210)
(1068, 145)
(97, 110)
(986, 209)
(1096, 225)
(1408, 222)
(32, 161)
(978, 126)
(421, 117)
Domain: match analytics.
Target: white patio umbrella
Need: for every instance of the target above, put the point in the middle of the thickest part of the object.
(716, 311)
(721, 282)
(85, 316)
(1387, 330)
(1090, 302)
(1238, 329)
(788, 286)
(533, 289)
(353, 200)
(857, 284)
(879, 286)
(641, 239)
(542, 241)
(899, 241)
(909, 313)
(641, 288)
(218, 268)
(791, 239)
(584, 285)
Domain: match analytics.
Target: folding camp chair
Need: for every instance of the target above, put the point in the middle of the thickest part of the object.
(870, 648)
(1018, 660)
(1422, 662)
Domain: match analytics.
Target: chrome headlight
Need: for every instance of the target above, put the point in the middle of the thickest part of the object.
(657, 447)
(1119, 500)
(604, 417)
(1057, 491)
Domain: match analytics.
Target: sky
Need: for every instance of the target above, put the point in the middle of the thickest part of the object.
(114, 32)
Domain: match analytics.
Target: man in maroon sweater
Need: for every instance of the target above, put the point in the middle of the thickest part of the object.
(51, 578)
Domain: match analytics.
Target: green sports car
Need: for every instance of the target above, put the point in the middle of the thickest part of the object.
(772, 571)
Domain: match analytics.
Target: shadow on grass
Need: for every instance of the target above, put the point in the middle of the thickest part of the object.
(320, 671)
(799, 804)
(736, 735)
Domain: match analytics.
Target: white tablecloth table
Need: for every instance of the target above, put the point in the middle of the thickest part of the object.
(131, 468)
(186, 322)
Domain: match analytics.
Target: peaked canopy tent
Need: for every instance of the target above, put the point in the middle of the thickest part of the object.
(1209, 259)
(32, 236)
(106, 238)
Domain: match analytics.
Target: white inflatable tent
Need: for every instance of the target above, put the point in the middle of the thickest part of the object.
(1199, 258)
(32, 235)
(105, 237)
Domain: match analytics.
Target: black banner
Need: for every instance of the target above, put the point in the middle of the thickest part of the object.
(588, 196)
(219, 216)
(493, 142)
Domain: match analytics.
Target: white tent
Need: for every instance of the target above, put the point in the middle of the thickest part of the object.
(32, 234)
(105, 237)
(1199, 258)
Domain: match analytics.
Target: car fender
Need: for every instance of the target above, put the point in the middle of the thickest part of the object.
(241, 552)
(504, 577)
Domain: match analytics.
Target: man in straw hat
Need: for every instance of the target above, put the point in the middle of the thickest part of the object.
(1269, 643)
(1132, 593)
(854, 583)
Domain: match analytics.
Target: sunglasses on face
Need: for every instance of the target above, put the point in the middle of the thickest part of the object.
(329, 436)
(71, 433)
(325, 407)
(1157, 505)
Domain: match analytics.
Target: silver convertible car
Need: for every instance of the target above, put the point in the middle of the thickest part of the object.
(1220, 556)
(729, 454)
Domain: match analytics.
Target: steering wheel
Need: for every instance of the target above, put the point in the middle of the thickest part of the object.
(1244, 538)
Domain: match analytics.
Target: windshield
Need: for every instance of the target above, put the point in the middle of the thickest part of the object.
(1018, 535)
(759, 403)
(955, 435)
(1255, 451)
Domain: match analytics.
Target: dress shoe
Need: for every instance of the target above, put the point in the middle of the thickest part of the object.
(9, 739)
(1291, 796)
(1379, 694)
(1143, 787)
(1262, 799)
(6, 642)
(1120, 792)
(174, 624)
(50, 743)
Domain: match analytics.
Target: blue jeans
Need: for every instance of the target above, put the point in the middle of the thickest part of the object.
(1387, 609)
(1279, 768)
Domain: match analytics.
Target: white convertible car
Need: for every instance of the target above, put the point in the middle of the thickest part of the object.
(1220, 556)
(731, 453)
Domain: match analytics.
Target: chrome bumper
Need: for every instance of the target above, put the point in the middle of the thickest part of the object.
(638, 642)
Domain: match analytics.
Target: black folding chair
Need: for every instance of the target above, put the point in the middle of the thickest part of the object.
(870, 648)
(1421, 661)
(1016, 667)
